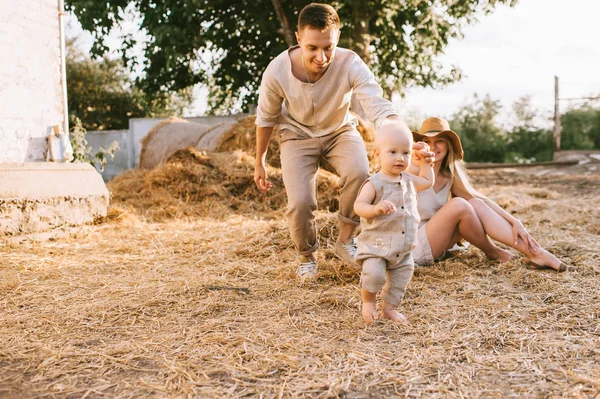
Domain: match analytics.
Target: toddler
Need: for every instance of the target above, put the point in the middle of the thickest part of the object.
(387, 206)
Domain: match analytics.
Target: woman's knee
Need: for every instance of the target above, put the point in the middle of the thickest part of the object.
(476, 202)
(460, 206)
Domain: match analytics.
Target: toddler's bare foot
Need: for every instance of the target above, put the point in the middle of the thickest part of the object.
(394, 315)
(369, 312)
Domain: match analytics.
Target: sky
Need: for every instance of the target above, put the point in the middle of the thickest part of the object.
(513, 52)
(516, 52)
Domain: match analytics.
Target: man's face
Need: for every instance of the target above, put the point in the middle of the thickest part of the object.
(318, 48)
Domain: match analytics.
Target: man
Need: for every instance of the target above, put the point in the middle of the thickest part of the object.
(307, 90)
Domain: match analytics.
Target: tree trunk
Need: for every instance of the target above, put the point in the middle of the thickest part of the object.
(360, 34)
(360, 44)
(285, 25)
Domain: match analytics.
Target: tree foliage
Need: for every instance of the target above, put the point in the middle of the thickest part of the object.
(527, 142)
(581, 127)
(485, 140)
(101, 94)
(227, 44)
(482, 139)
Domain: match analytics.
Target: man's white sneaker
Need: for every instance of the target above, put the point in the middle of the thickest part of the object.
(307, 268)
(346, 252)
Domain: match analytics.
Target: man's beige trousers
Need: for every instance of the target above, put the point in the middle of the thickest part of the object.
(300, 155)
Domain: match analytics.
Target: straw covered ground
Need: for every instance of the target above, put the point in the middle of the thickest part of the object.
(187, 289)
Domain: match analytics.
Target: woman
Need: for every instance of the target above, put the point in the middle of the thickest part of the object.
(452, 209)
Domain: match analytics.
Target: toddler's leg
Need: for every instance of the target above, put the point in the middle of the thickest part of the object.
(394, 290)
(372, 279)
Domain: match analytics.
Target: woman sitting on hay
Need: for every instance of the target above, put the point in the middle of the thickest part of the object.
(452, 209)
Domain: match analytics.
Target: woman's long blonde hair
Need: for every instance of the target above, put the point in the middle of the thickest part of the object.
(456, 170)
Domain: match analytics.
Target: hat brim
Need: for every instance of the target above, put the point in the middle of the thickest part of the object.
(449, 134)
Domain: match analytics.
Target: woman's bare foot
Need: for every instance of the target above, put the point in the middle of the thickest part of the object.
(369, 312)
(501, 255)
(389, 311)
(541, 258)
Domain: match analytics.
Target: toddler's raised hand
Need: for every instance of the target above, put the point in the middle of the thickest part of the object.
(422, 152)
(385, 207)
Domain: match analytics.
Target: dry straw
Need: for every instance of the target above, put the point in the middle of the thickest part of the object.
(188, 290)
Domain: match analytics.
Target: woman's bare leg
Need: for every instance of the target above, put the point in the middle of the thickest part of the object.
(458, 216)
(500, 230)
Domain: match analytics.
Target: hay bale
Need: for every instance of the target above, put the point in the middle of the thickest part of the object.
(212, 138)
(167, 137)
(365, 128)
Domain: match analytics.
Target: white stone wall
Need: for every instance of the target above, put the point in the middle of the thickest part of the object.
(31, 99)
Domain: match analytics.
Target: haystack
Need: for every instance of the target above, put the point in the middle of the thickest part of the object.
(212, 138)
(194, 183)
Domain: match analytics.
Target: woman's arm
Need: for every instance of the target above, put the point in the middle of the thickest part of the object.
(421, 151)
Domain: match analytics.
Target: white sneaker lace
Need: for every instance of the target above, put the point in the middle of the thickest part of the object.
(306, 268)
(351, 247)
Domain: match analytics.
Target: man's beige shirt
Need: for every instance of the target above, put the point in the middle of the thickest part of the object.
(317, 109)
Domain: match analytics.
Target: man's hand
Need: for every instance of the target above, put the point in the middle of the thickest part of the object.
(422, 152)
(260, 177)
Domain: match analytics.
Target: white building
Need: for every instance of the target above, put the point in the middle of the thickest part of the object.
(36, 195)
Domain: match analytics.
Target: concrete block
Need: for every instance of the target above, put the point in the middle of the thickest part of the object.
(40, 196)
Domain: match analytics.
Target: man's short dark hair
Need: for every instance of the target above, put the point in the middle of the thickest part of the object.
(318, 16)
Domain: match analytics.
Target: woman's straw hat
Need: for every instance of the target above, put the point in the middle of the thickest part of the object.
(434, 127)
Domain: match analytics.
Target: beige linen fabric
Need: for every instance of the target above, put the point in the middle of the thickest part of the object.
(386, 242)
(300, 156)
(320, 108)
(429, 202)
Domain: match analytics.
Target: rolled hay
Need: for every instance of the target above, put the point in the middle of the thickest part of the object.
(211, 139)
(194, 183)
(242, 136)
(167, 137)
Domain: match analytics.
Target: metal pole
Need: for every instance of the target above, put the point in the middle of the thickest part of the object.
(556, 135)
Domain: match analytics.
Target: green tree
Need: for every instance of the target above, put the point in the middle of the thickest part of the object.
(482, 139)
(227, 44)
(580, 127)
(526, 141)
(101, 94)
